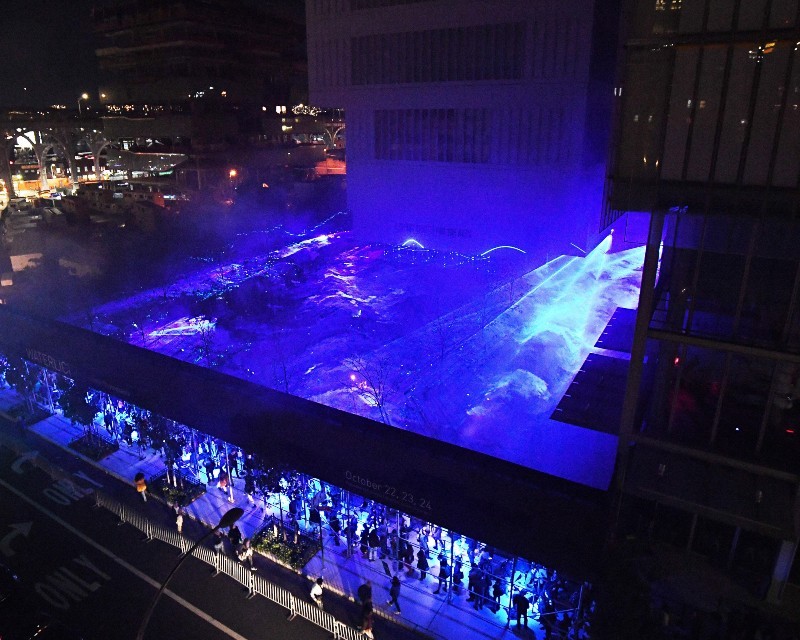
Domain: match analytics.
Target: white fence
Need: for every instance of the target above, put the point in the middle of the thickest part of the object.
(255, 584)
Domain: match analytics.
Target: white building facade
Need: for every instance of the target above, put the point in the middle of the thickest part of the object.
(470, 124)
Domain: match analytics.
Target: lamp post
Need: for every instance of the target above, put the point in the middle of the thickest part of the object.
(228, 519)
(83, 96)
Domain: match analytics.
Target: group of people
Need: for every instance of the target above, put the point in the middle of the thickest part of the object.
(242, 547)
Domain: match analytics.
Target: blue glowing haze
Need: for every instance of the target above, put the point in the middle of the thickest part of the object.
(476, 352)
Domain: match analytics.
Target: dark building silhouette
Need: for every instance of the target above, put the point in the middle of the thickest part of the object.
(708, 143)
(170, 51)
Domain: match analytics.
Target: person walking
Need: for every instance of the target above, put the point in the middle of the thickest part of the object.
(141, 485)
(316, 592)
(179, 519)
(394, 593)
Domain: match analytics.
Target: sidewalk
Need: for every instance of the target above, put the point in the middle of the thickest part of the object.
(444, 615)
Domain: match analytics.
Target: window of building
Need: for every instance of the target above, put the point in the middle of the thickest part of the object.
(465, 54)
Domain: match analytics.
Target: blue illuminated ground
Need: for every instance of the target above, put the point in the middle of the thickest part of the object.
(473, 352)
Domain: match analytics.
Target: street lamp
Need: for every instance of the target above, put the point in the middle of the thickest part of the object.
(84, 96)
(227, 520)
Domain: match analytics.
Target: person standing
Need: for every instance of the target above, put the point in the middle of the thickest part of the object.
(394, 593)
(219, 543)
(444, 575)
(364, 592)
(179, 519)
(366, 616)
(422, 564)
(522, 605)
(246, 554)
(235, 536)
(141, 485)
(249, 486)
(316, 592)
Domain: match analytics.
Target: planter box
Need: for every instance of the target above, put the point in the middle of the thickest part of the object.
(185, 493)
(94, 446)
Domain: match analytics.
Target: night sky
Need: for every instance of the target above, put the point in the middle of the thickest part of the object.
(48, 47)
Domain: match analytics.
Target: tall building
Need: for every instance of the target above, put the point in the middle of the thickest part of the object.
(168, 51)
(709, 144)
(470, 124)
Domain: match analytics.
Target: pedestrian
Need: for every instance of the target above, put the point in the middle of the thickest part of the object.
(394, 593)
(235, 536)
(141, 485)
(249, 486)
(444, 574)
(374, 542)
(316, 592)
(422, 539)
(233, 463)
(522, 605)
(219, 543)
(246, 554)
(209, 465)
(364, 592)
(179, 520)
(498, 591)
(336, 528)
(222, 485)
(366, 615)
(366, 620)
(422, 564)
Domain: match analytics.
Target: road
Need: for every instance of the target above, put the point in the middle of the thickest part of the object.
(98, 577)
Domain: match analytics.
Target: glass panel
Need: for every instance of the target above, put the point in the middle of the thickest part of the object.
(765, 118)
(694, 402)
(735, 118)
(743, 406)
(713, 541)
(783, 14)
(692, 16)
(705, 117)
(720, 15)
(680, 110)
(751, 14)
(787, 166)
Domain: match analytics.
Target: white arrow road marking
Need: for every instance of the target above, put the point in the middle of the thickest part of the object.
(16, 466)
(139, 574)
(23, 528)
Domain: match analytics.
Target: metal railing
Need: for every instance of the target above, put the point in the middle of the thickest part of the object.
(255, 584)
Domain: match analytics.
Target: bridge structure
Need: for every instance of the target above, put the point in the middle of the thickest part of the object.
(46, 131)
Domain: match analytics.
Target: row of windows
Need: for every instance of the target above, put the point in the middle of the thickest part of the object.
(484, 52)
(532, 136)
(325, 7)
(439, 135)
(711, 130)
(372, 4)
(675, 16)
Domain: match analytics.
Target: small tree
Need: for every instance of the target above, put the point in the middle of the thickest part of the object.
(79, 406)
(371, 381)
(22, 379)
(206, 334)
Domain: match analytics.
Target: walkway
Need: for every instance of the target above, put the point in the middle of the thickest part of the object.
(445, 616)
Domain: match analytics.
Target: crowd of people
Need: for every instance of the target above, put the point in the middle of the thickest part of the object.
(420, 554)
